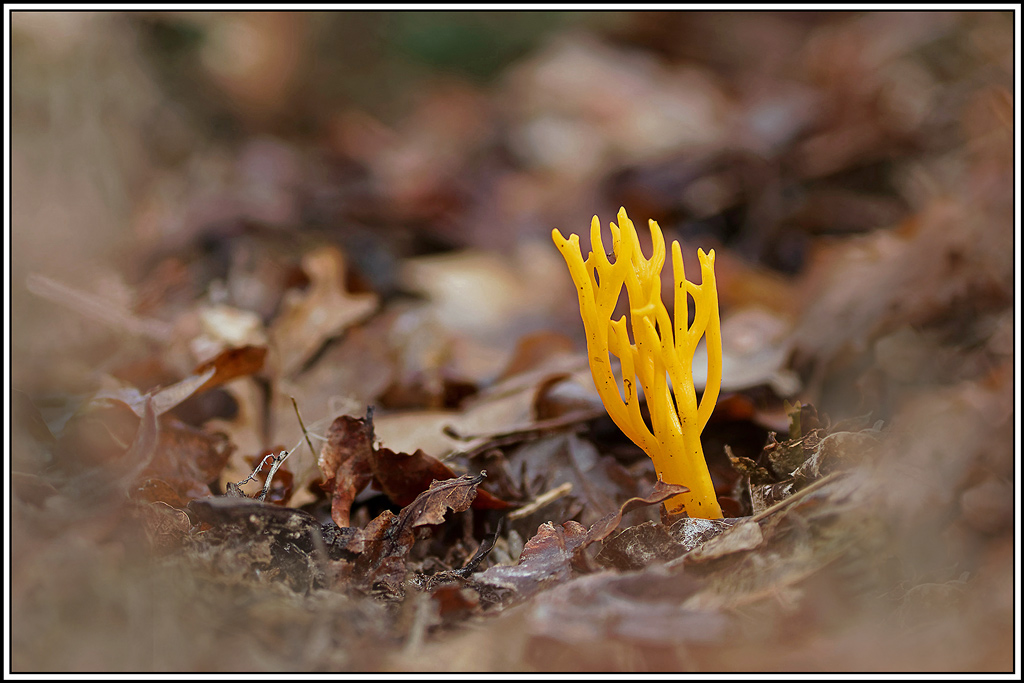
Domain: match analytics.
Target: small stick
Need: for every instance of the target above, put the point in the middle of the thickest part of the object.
(303, 425)
(255, 471)
(542, 500)
(277, 461)
(796, 497)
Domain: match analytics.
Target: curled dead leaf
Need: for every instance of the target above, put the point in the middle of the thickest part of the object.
(606, 525)
(163, 400)
(345, 463)
(349, 461)
(227, 365)
(385, 543)
(231, 364)
(402, 477)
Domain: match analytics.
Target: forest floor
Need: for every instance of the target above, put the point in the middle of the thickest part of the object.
(310, 245)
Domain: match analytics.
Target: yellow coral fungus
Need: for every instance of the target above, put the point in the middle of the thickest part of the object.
(661, 357)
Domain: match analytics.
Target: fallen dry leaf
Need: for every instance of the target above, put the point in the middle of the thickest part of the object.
(345, 463)
(308, 319)
(402, 477)
(550, 556)
(349, 461)
(246, 430)
(385, 543)
(608, 524)
(409, 430)
(163, 400)
(546, 561)
(187, 460)
(638, 546)
(231, 364)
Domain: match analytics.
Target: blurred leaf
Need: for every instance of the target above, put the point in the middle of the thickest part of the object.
(310, 318)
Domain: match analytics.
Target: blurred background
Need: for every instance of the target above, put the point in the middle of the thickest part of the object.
(853, 171)
(139, 136)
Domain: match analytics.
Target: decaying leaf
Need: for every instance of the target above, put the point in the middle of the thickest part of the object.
(171, 396)
(345, 464)
(408, 430)
(385, 543)
(527, 400)
(167, 460)
(107, 447)
(546, 561)
(349, 461)
(598, 481)
(606, 525)
(163, 400)
(402, 477)
(231, 364)
(226, 366)
(550, 556)
(310, 318)
(187, 460)
(741, 537)
(639, 546)
(785, 467)
(143, 447)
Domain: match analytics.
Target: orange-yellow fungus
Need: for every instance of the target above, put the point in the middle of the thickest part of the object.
(660, 357)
